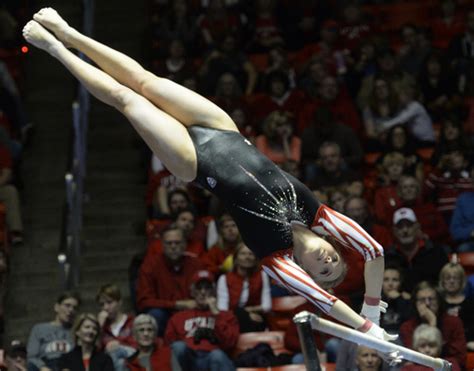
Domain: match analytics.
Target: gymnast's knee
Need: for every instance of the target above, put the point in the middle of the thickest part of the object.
(121, 97)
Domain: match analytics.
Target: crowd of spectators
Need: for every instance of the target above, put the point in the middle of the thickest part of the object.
(369, 103)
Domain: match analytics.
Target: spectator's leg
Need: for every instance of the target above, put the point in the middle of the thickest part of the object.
(298, 359)
(182, 354)
(161, 316)
(218, 360)
(184, 105)
(119, 356)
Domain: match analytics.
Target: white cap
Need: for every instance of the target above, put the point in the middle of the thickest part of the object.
(404, 214)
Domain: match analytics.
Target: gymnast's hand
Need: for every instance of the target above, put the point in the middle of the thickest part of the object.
(372, 308)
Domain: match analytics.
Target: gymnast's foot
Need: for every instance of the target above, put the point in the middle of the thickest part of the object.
(38, 36)
(50, 19)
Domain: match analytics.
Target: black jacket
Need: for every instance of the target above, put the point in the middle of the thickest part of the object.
(73, 361)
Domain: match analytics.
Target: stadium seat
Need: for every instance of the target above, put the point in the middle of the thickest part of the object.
(276, 339)
(470, 361)
(466, 259)
(282, 311)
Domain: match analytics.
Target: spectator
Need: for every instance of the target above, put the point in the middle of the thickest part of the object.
(312, 76)
(412, 114)
(324, 128)
(164, 279)
(336, 198)
(446, 183)
(242, 121)
(151, 354)
(48, 341)
(398, 310)
(362, 64)
(332, 172)
(462, 222)
(461, 49)
(278, 60)
(245, 291)
(85, 355)
(358, 210)
(227, 58)
(353, 357)
(116, 336)
(447, 24)
(179, 23)
(451, 137)
(200, 337)
(354, 27)
(15, 357)
(411, 250)
(388, 69)
(382, 105)
(391, 168)
(228, 94)
(267, 33)
(175, 66)
(219, 258)
(277, 96)
(436, 86)
(408, 194)
(278, 142)
(186, 221)
(335, 98)
(452, 282)
(429, 309)
(413, 52)
(428, 340)
(400, 140)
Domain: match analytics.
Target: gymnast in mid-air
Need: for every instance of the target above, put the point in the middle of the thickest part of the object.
(298, 239)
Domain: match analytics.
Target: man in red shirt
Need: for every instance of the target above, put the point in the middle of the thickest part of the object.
(200, 337)
(164, 279)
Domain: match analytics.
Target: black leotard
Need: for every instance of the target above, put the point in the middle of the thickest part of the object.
(261, 197)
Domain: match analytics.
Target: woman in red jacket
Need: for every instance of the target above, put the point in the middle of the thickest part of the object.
(429, 309)
(245, 290)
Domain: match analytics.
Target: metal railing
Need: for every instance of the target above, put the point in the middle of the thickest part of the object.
(71, 241)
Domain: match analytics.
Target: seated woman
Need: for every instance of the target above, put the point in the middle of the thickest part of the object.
(85, 355)
(429, 341)
(429, 309)
(279, 218)
(452, 281)
(278, 142)
(245, 290)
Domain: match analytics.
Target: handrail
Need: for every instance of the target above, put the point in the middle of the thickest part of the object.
(71, 243)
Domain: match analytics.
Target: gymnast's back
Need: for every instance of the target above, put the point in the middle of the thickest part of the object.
(261, 197)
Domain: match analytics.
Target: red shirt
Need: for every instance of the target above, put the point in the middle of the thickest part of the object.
(160, 284)
(183, 325)
(125, 335)
(160, 359)
(215, 256)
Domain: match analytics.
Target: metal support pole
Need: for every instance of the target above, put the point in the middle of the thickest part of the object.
(357, 337)
(308, 345)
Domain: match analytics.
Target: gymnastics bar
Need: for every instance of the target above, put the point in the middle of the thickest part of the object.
(346, 333)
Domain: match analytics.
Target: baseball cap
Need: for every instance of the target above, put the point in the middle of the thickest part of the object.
(16, 349)
(202, 275)
(404, 214)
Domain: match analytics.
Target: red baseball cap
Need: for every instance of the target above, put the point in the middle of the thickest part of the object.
(202, 275)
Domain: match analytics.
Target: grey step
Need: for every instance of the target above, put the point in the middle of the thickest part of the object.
(102, 275)
(110, 245)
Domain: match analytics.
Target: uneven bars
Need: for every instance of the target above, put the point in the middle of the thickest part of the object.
(357, 337)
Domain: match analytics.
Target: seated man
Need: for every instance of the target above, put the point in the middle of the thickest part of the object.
(420, 258)
(200, 337)
(164, 279)
(49, 340)
(151, 354)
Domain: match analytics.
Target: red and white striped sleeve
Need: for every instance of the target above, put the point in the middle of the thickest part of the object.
(328, 222)
(283, 269)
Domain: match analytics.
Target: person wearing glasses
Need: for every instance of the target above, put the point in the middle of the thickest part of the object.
(429, 308)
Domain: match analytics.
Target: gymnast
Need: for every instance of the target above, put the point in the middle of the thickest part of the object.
(298, 239)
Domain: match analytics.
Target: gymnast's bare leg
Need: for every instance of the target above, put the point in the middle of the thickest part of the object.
(184, 105)
(166, 136)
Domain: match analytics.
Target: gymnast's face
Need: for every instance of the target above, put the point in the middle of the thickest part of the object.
(316, 256)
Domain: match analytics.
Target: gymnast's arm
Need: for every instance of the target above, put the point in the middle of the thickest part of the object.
(351, 235)
(282, 268)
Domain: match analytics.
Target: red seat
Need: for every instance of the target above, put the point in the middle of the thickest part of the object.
(282, 311)
(425, 154)
(470, 361)
(466, 259)
(327, 367)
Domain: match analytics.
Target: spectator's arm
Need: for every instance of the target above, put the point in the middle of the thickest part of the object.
(222, 293)
(461, 227)
(251, 77)
(33, 349)
(404, 116)
(227, 330)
